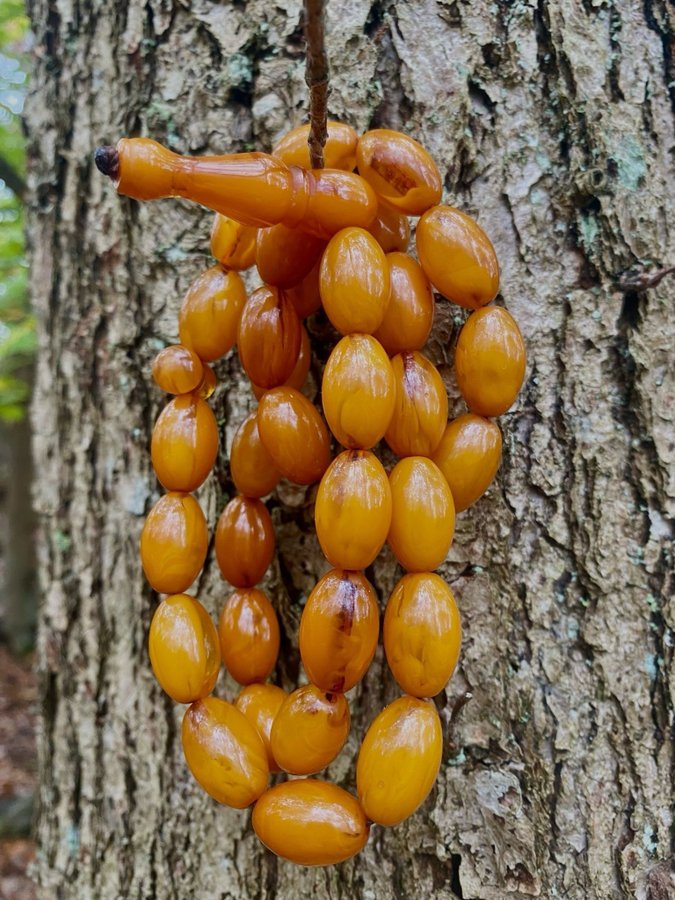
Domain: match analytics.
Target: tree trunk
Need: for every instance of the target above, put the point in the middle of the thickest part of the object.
(553, 124)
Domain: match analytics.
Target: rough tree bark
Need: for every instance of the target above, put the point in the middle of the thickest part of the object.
(553, 124)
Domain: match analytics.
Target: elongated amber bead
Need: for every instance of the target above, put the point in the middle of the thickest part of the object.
(269, 337)
(209, 316)
(184, 443)
(309, 730)
(468, 456)
(244, 541)
(391, 230)
(233, 244)
(174, 542)
(339, 151)
(294, 435)
(284, 256)
(260, 703)
(252, 468)
(421, 408)
(177, 370)
(249, 635)
(300, 371)
(410, 314)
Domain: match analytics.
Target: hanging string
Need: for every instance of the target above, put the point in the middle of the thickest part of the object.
(316, 78)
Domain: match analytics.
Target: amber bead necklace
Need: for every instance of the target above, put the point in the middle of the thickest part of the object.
(334, 239)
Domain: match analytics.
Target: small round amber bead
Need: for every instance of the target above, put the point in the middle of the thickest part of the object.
(260, 703)
(208, 383)
(184, 443)
(249, 635)
(421, 407)
(224, 752)
(358, 391)
(294, 435)
(284, 256)
(269, 337)
(338, 630)
(410, 314)
(252, 468)
(174, 542)
(298, 376)
(468, 455)
(309, 730)
(209, 316)
(339, 151)
(457, 257)
(232, 243)
(490, 361)
(244, 541)
(422, 634)
(184, 650)
(306, 296)
(399, 760)
(391, 230)
(177, 370)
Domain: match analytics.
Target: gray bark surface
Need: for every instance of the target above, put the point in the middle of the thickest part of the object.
(553, 124)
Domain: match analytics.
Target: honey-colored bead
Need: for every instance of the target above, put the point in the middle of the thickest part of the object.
(353, 510)
(174, 542)
(410, 314)
(249, 635)
(422, 514)
(358, 391)
(400, 171)
(260, 703)
(184, 443)
(306, 296)
(457, 257)
(309, 730)
(269, 337)
(252, 468)
(208, 383)
(299, 374)
(177, 370)
(294, 435)
(339, 151)
(391, 230)
(232, 243)
(244, 541)
(209, 316)
(399, 760)
(490, 361)
(184, 650)
(421, 407)
(224, 752)
(284, 256)
(422, 634)
(468, 456)
(338, 630)
(354, 282)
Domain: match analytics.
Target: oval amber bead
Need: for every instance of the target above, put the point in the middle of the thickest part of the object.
(490, 361)
(391, 230)
(177, 370)
(339, 151)
(400, 171)
(208, 383)
(309, 730)
(422, 634)
(224, 752)
(358, 391)
(306, 296)
(174, 542)
(184, 443)
(299, 374)
(468, 456)
(184, 650)
(457, 257)
(260, 703)
(284, 256)
(354, 281)
(422, 514)
(338, 630)
(252, 468)
(353, 510)
(269, 337)
(209, 316)
(399, 760)
(410, 314)
(232, 243)
(421, 407)
(249, 635)
(294, 435)
(244, 541)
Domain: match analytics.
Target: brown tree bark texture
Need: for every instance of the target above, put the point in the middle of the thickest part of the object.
(553, 124)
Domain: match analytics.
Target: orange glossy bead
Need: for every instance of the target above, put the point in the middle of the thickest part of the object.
(299, 374)
(353, 510)
(309, 730)
(260, 703)
(232, 243)
(410, 314)
(339, 151)
(284, 256)
(249, 635)
(400, 171)
(421, 408)
(422, 514)
(490, 361)
(174, 542)
(184, 443)
(177, 370)
(468, 456)
(252, 468)
(224, 752)
(358, 391)
(457, 256)
(338, 630)
(209, 316)
(391, 230)
(269, 337)
(208, 383)
(184, 650)
(399, 760)
(354, 282)
(306, 296)
(244, 541)
(294, 435)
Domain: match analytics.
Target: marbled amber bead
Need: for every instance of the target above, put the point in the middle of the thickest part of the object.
(299, 374)
(174, 542)
(252, 468)
(306, 296)
(249, 635)
(391, 230)
(184, 650)
(260, 703)
(294, 435)
(468, 456)
(421, 407)
(269, 337)
(208, 383)
(422, 634)
(244, 541)
(358, 391)
(209, 316)
(232, 243)
(184, 443)
(284, 256)
(338, 630)
(339, 151)
(410, 314)
(490, 361)
(224, 752)
(422, 514)
(399, 760)
(309, 730)
(177, 370)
